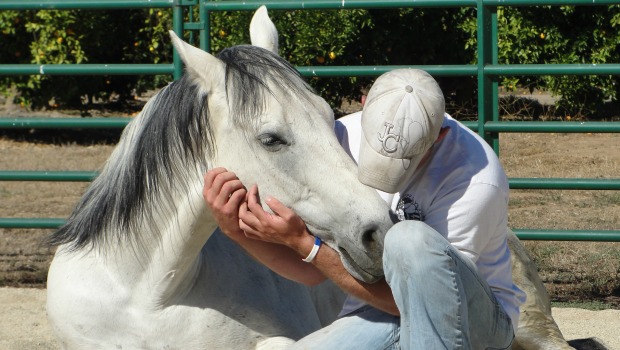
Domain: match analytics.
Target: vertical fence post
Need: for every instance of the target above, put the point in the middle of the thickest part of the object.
(190, 16)
(487, 87)
(203, 15)
(177, 27)
(205, 31)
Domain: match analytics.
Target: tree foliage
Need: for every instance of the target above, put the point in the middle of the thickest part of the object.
(418, 36)
(569, 35)
(73, 36)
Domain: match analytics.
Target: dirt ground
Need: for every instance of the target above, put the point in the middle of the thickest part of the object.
(24, 324)
(571, 270)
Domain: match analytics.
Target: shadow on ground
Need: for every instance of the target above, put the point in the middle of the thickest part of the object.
(587, 344)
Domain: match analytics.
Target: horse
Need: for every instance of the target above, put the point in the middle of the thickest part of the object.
(139, 262)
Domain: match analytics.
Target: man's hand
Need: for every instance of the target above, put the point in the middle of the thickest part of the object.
(226, 196)
(284, 226)
(223, 192)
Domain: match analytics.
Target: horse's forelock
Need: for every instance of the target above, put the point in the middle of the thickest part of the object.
(250, 71)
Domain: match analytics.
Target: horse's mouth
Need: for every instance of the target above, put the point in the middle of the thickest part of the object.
(372, 272)
(357, 271)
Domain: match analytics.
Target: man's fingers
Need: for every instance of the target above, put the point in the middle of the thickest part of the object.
(211, 174)
(253, 203)
(253, 196)
(220, 185)
(230, 187)
(247, 218)
(237, 197)
(278, 208)
(248, 222)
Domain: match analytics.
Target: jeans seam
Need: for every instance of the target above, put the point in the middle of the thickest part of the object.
(488, 292)
(395, 344)
(459, 339)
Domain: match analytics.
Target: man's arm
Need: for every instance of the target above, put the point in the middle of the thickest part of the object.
(224, 193)
(286, 228)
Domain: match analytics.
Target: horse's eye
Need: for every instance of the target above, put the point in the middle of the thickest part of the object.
(271, 142)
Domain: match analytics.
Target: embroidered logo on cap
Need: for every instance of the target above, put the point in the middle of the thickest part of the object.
(387, 135)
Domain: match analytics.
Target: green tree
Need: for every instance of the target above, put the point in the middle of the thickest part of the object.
(417, 36)
(76, 36)
(561, 34)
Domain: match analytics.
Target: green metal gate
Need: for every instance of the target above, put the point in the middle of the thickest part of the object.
(487, 70)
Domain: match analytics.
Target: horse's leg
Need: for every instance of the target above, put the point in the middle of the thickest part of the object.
(537, 329)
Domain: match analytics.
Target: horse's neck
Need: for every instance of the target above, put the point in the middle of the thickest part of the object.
(166, 266)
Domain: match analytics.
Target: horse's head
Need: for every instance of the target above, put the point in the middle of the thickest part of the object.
(272, 130)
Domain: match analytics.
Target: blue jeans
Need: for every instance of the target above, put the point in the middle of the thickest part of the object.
(443, 302)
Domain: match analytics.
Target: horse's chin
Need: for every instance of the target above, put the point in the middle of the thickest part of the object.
(357, 272)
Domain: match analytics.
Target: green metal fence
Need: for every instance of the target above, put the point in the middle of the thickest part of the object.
(487, 70)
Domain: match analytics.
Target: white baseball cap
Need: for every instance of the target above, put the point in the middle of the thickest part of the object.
(401, 120)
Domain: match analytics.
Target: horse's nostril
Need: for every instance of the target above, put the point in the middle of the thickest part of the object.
(370, 239)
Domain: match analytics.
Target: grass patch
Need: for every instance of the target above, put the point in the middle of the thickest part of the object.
(4, 193)
(588, 305)
(579, 272)
(605, 199)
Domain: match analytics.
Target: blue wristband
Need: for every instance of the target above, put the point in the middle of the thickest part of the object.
(314, 251)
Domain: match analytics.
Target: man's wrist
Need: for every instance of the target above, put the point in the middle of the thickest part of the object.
(236, 236)
(304, 245)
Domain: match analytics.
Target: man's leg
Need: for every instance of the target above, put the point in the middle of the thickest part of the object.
(442, 300)
(364, 329)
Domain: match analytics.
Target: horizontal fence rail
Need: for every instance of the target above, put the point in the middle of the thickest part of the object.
(60, 176)
(86, 69)
(487, 71)
(386, 4)
(568, 235)
(322, 71)
(88, 4)
(515, 183)
(51, 223)
(506, 127)
(64, 123)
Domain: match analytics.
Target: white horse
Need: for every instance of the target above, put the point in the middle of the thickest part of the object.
(138, 265)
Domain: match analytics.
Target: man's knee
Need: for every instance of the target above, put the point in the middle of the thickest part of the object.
(409, 241)
(408, 234)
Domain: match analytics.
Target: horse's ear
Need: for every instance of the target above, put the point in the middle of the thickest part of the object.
(199, 63)
(263, 32)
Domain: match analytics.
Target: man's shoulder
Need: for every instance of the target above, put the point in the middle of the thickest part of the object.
(353, 120)
(466, 157)
(348, 130)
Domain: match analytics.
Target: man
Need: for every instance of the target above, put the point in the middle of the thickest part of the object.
(447, 265)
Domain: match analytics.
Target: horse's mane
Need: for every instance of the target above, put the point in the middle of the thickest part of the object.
(168, 146)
